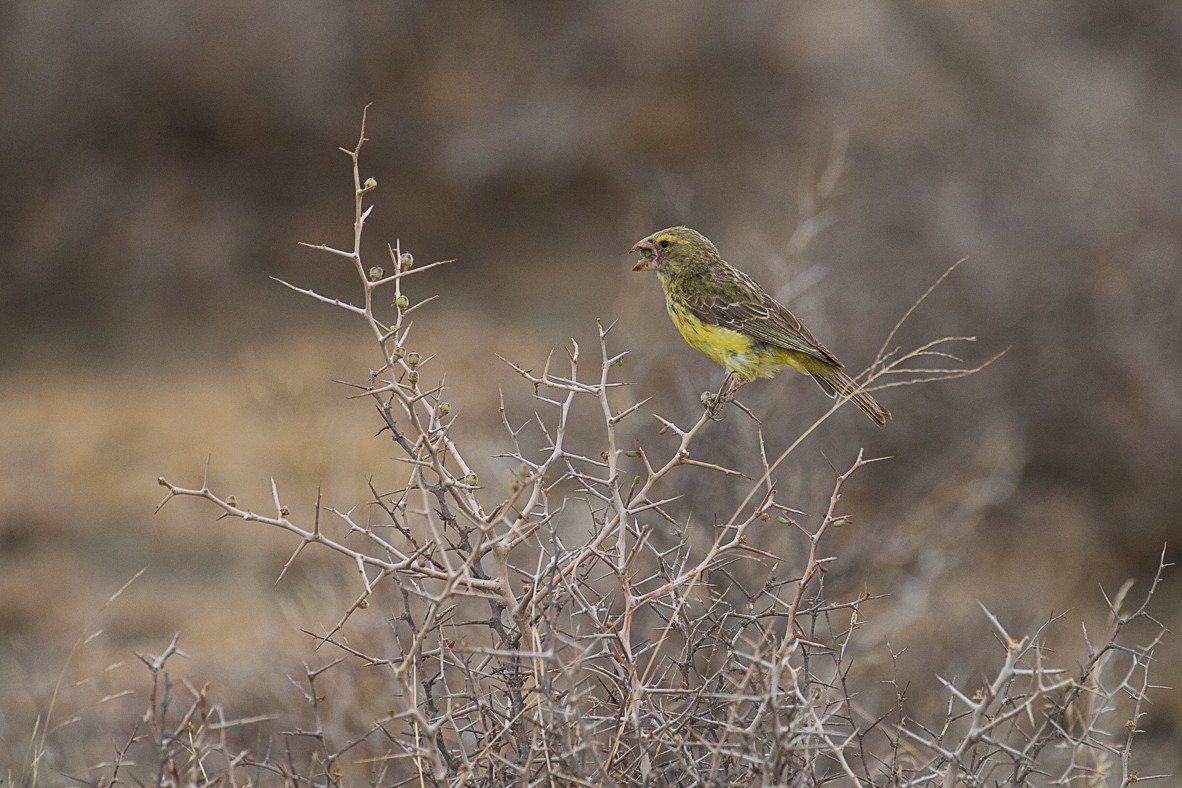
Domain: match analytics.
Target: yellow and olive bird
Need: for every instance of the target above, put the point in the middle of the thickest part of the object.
(722, 312)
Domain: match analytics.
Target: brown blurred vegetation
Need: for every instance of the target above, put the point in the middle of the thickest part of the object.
(161, 160)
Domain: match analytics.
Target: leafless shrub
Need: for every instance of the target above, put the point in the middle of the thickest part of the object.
(584, 630)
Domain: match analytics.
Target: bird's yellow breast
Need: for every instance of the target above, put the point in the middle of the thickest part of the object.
(734, 351)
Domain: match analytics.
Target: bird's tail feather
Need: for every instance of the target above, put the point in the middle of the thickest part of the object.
(837, 383)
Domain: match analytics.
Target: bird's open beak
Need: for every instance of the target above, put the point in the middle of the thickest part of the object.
(648, 255)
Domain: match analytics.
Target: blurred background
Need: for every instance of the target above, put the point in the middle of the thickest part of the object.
(161, 160)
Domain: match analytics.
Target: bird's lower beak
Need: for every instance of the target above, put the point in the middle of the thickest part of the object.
(648, 254)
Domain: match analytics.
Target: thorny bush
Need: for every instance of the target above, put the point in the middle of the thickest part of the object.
(581, 630)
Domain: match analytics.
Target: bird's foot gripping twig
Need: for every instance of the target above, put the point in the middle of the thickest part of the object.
(714, 405)
(716, 401)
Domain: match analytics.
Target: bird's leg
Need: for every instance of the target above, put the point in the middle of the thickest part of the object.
(736, 384)
(730, 386)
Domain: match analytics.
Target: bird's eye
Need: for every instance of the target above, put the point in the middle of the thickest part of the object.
(664, 243)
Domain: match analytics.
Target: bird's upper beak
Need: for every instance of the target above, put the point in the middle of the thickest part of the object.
(649, 256)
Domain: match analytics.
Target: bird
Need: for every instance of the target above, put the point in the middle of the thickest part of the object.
(725, 314)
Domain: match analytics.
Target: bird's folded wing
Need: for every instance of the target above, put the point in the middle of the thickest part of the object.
(767, 322)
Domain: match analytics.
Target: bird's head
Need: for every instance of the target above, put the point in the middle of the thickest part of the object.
(675, 250)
